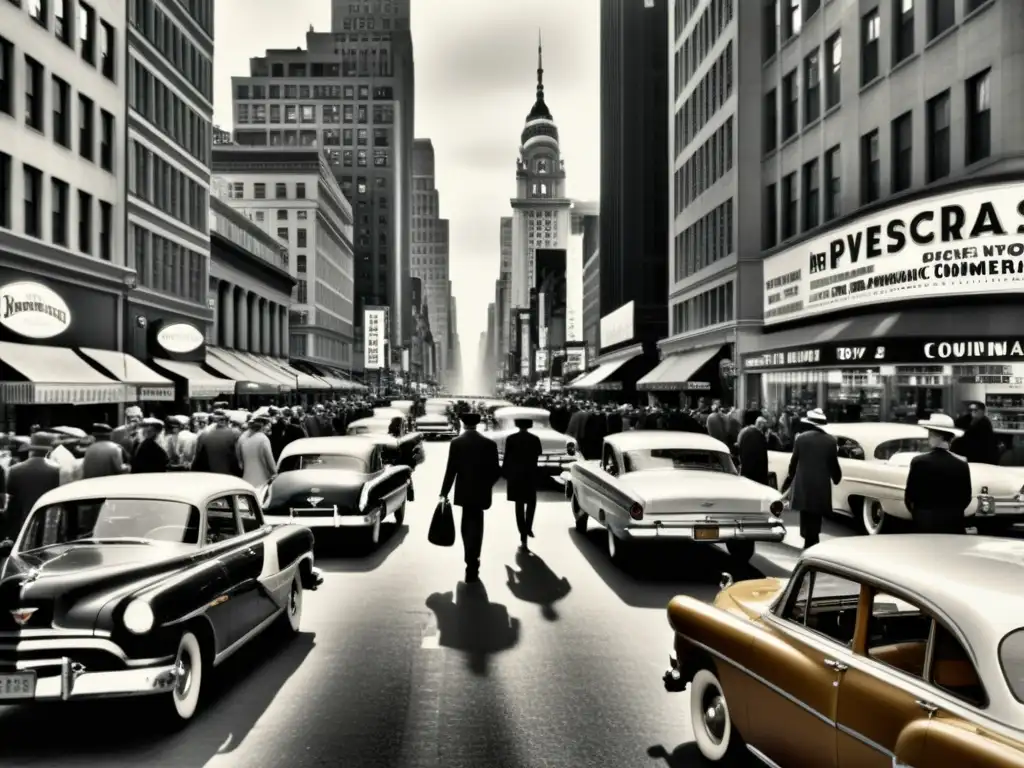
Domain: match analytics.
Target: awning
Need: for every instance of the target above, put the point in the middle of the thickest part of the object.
(336, 382)
(248, 380)
(271, 371)
(201, 385)
(576, 380)
(299, 378)
(145, 383)
(675, 371)
(597, 378)
(55, 376)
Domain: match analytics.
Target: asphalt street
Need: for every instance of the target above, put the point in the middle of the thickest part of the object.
(555, 662)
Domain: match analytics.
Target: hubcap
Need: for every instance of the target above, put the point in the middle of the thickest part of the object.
(183, 670)
(875, 516)
(293, 601)
(714, 715)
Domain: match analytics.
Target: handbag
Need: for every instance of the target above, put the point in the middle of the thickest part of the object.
(442, 525)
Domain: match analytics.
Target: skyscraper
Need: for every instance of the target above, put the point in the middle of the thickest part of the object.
(503, 293)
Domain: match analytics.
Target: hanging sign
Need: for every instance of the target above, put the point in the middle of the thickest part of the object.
(34, 311)
(180, 338)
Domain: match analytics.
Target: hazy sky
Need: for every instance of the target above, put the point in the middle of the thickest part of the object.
(476, 64)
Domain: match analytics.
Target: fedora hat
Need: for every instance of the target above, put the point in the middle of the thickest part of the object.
(815, 417)
(942, 424)
(42, 442)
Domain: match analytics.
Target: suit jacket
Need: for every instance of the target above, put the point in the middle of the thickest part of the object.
(522, 449)
(26, 483)
(938, 481)
(752, 448)
(149, 457)
(215, 452)
(473, 462)
(103, 458)
(813, 470)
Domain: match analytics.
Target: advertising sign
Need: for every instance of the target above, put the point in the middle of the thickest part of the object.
(405, 359)
(617, 326)
(180, 338)
(892, 351)
(375, 321)
(541, 361)
(575, 360)
(32, 310)
(962, 243)
(524, 344)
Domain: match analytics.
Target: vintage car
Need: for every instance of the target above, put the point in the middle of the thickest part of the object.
(436, 421)
(560, 451)
(869, 656)
(337, 482)
(875, 459)
(391, 432)
(682, 485)
(143, 584)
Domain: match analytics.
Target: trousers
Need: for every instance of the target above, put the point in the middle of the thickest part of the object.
(472, 536)
(810, 527)
(524, 516)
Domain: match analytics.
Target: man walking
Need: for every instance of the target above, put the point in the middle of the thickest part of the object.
(28, 481)
(473, 462)
(939, 483)
(104, 457)
(813, 470)
(522, 449)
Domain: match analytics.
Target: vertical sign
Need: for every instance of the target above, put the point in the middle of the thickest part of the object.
(524, 344)
(405, 360)
(374, 344)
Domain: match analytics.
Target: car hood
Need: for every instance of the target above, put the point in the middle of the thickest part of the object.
(667, 484)
(750, 598)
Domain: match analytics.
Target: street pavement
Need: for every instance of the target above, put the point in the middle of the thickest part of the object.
(555, 663)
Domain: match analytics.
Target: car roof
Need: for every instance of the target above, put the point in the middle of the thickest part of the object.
(339, 445)
(387, 412)
(876, 431)
(521, 412)
(195, 488)
(654, 439)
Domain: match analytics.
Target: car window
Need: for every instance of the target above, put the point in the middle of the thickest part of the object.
(824, 603)
(249, 513)
(321, 461)
(1011, 660)
(221, 522)
(888, 449)
(70, 521)
(608, 462)
(848, 448)
(953, 671)
(678, 458)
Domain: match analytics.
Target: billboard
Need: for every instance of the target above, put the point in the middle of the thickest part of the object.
(524, 344)
(618, 326)
(575, 360)
(541, 361)
(963, 243)
(375, 334)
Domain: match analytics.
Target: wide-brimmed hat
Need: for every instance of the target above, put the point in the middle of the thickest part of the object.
(941, 424)
(101, 429)
(524, 423)
(43, 442)
(469, 418)
(815, 417)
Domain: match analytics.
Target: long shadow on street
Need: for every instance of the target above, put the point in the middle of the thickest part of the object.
(342, 554)
(469, 622)
(688, 756)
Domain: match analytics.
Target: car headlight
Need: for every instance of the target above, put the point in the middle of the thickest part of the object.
(776, 508)
(138, 617)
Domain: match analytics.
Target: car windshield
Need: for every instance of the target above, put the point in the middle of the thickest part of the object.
(678, 458)
(322, 461)
(539, 422)
(89, 521)
(1011, 659)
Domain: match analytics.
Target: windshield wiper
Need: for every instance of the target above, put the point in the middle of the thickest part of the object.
(112, 540)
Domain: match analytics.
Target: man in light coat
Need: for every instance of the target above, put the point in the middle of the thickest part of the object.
(255, 455)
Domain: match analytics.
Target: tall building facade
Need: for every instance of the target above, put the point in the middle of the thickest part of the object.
(292, 193)
(429, 257)
(350, 91)
(541, 207)
(170, 140)
(592, 305)
(585, 231)
(503, 296)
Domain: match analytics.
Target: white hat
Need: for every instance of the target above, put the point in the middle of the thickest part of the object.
(940, 422)
(815, 417)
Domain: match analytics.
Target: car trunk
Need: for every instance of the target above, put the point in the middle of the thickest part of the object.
(703, 496)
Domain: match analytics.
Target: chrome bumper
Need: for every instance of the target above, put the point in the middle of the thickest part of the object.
(74, 682)
(334, 521)
(768, 531)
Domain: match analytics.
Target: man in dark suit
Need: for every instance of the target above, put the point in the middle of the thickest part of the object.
(939, 483)
(149, 455)
(813, 470)
(28, 481)
(473, 461)
(522, 449)
(752, 448)
(215, 448)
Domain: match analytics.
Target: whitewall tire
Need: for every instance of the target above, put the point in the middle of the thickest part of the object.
(188, 685)
(293, 608)
(710, 719)
(873, 517)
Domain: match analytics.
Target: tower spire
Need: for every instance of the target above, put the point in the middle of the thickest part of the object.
(540, 66)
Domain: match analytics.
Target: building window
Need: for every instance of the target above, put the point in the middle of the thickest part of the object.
(833, 183)
(770, 26)
(771, 120)
(34, 98)
(106, 140)
(938, 137)
(59, 209)
(259, 191)
(834, 68)
(300, 238)
(281, 191)
(107, 51)
(6, 76)
(902, 152)
(5, 190)
(870, 178)
(979, 117)
(941, 16)
(37, 11)
(61, 27)
(811, 195)
(903, 24)
(87, 33)
(86, 135)
(812, 88)
(790, 207)
(84, 222)
(282, 215)
(790, 105)
(300, 191)
(794, 19)
(810, 8)
(106, 231)
(61, 112)
(33, 181)
(282, 234)
(870, 31)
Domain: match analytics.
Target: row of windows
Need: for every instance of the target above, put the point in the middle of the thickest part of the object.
(259, 191)
(704, 242)
(78, 26)
(327, 348)
(710, 94)
(702, 39)
(308, 114)
(162, 107)
(165, 266)
(811, 185)
(166, 188)
(785, 117)
(712, 160)
(375, 61)
(89, 229)
(712, 307)
(262, 92)
(174, 45)
(94, 143)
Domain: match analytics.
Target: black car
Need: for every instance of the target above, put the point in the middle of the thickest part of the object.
(388, 428)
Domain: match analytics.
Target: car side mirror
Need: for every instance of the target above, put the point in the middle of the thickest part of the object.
(6, 547)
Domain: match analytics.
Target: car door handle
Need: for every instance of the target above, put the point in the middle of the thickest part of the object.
(927, 706)
(838, 666)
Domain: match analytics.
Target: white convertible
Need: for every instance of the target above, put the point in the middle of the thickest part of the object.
(436, 421)
(560, 451)
(654, 484)
(875, 459)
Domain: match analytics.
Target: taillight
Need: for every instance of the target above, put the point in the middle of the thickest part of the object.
(776, 508)
(571, 449)
(636, 512)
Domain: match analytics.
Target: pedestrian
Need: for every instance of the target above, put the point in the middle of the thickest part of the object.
(473, 469)
(255, 456)
(104, 457)
(938, 487)
(28, 481)
(127, 435)
(150, 455)
(184, 443)
(977, 443)
(522, 450)
(215, 448)
(813, 470)
(752, 449)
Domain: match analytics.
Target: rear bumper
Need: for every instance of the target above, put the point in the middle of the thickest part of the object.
(334, 520)
(760, 531)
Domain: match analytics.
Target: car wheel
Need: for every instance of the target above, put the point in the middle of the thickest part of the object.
(292, 616)
(713, 730)
(188, 683)
(741, 550)
(873, 517)
(618, 549)
(582, 518)
(400, 516)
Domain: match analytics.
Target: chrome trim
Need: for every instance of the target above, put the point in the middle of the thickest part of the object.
(80, 644)
(846, 731)
(235, 646)
(50, 633)
(762, 757)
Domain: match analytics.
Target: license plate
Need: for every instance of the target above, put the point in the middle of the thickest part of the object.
(705, 533)
(21, 685)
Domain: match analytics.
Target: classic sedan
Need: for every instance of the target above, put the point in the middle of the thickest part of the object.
(337, 482)
(683, 485)
(436, 422)
(875, 459)
(560, 451)
(868, 656)
(143, 584)
(391, 432)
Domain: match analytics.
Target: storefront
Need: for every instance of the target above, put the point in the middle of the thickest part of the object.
(623, 362)
(692, 375)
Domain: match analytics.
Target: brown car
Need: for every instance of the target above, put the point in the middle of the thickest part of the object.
(880, 651)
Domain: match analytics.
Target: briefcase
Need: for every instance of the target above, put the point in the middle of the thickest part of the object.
(442, 525)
